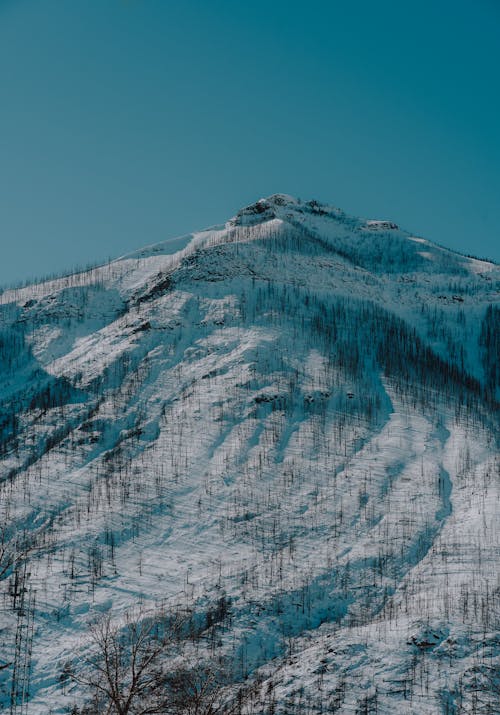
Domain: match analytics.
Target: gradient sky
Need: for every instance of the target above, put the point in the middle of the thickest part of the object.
(124, 122)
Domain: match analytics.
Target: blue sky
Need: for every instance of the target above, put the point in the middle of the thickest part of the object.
(124, 122)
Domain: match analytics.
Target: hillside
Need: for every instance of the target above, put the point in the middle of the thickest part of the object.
(287, 425)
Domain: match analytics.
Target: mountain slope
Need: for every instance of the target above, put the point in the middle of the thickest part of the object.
(295, 412)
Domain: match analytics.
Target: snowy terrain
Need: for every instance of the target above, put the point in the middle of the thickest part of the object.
(296, 412)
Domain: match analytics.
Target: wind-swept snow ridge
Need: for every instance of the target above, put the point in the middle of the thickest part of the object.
(294, 414)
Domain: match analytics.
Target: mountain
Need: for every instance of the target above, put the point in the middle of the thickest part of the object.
(286, 425)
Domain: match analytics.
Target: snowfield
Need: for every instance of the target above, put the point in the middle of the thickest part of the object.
(295, 412)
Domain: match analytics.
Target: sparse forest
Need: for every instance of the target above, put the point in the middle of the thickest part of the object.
(256, 476)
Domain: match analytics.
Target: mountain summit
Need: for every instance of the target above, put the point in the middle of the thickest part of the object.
(287, 425)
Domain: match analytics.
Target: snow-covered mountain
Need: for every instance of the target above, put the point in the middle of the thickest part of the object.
(294, 414)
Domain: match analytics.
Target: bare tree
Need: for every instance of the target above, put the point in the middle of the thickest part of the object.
(203, 689)
(126, 673)
(14, 547)
(123, 672)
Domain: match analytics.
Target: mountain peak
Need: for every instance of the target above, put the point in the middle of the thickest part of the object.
(285, 423)
(281, 201)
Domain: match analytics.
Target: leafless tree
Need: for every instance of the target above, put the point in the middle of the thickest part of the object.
(126, 673)
(123, 673)
(14, 547)
(203, 689)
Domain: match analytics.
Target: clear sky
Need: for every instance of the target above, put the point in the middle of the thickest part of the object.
(124, 122)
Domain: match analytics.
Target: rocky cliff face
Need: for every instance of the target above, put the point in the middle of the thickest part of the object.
(293, 414)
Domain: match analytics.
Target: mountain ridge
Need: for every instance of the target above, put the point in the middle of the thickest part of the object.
(277, 205)
(296, 411)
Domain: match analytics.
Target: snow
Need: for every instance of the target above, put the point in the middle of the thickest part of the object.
(478, 266)
(230, 429)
